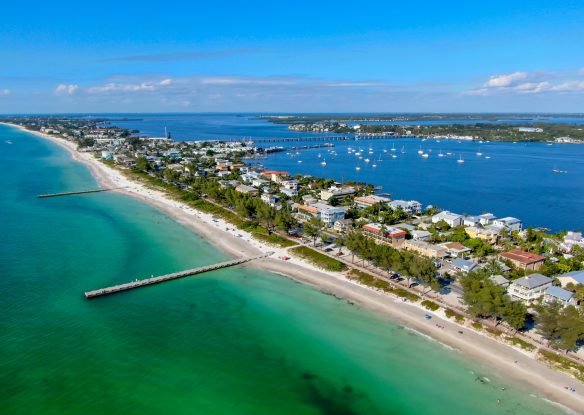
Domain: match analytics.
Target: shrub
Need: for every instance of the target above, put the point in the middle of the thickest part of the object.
(318, 259)
(430, 305)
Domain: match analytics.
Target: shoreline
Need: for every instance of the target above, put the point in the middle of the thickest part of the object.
(474, 347)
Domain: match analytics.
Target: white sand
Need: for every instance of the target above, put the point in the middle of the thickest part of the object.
(476, 346)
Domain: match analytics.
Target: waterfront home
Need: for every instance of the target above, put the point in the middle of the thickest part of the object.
(259, 183)
(362, 202)
(572, 239)
(471, 221)
(289, 192)
(337, 193)
(530, 287)
(500, 281)
(488, 235)
(486, 218)
(270, 199)
(289, 184)
(249, 177)
(343, 225)
(574, 278)
(242, 188)
(509, 223)
(524, 260)
(275, 176)
(452, 219)
(564, 297)
(411, 207)
(327, 214)
(464, 265)
(309, 199)
(387, 234)
(456, 249)
(421, 235)
(425, 248)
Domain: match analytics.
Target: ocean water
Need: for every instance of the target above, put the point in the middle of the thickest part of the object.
(516, 181)
(236, 341)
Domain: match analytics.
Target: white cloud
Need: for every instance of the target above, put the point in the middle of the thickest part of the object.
(63, 89)
(5, 92)
(529, 83)
(506, 80)
(115, 87)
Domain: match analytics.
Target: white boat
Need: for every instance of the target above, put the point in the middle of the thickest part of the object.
(374, 165)
(460, 160)
(393, 156)
(449, 154)
(358, 168)
(479, 152)
(440, 154)
(323, 163)
(403, 151)
(393, 146)
(319, 156)
(487, 157)
(299, 161)
(8, 142)
(425, 155)
(366, 160)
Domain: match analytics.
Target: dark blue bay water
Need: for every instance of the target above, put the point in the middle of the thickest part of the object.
(516, 181)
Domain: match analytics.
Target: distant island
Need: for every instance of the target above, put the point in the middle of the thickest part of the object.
(487, 127)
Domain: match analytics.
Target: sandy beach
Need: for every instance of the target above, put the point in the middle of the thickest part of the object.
(507, 361)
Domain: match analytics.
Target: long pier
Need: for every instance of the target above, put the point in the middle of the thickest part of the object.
(81, 192)
(168, 277)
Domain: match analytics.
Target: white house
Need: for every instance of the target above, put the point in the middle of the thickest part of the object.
(509, 223)
(553, 294)
(411, 207)
(486, 218)
(574, 277)
(530, 287)
(452, 219)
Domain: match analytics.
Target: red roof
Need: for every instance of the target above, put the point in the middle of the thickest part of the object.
(522, 256)
(394, 232)
(279, 173)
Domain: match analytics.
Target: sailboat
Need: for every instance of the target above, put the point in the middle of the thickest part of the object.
(393, 146)
(425, 155)
(440, 154)
(479, 152)
(358, 168)
(460, 160)
(420, 151)
(403, 151)
(323, 162)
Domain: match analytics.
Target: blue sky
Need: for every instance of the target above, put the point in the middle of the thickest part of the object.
(129, 56)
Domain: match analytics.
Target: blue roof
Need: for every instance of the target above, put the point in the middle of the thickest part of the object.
(577, 275)
(464, 264)
(559, 293)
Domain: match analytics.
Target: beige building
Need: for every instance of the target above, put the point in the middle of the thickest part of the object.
(425, 248)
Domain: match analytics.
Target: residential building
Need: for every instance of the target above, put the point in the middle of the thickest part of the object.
(421, 235)
(425, 248)
(486, 218)
(270, 199)
(464, 265)
(289, 192)
(275, 176)
(337, 193)
(290, 184)
(242, 188)
(509, 223)
(564, 297)
(530, 287)
(471, 221)
(388, 234)
(370, 200)
(452, 219)
(574, 278)
(259, 182)
(524, 260)
(456, 249)
(572, 239)
(326, 213)
(500, 281)
(488, 235)
(411, 207)
(343, 225)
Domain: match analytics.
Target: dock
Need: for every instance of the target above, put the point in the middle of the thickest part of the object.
(169, 277)
(81, 192)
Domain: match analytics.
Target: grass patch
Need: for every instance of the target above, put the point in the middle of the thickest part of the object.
(453, 314)
(430, 305)
(521, 343)
(274, 239)
(494, 332)
(400, 292)
(369, 280)
(476, 325)
(318, 259)
(564, 364)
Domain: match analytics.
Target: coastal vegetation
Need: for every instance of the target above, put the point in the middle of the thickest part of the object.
(430, 305)
(318, 259)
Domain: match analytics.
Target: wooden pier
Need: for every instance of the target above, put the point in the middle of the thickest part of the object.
(81, 192)
(168, 277)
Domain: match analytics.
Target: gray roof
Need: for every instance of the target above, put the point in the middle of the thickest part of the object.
(464, 264)
(559, 293)
(533, 281)
(499, 280)
(577, 275)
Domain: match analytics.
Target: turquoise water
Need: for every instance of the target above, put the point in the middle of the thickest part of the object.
(236, 341)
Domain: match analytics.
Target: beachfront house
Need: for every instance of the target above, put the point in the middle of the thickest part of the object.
(530, 287)
(509, 223)
(486, 218)
(564, 297)
(362, 202)
(574, 278)
(343, 225)
(452, 219)
(327, 214)
(525, 260)
(425, 248)
(337, 193)
(471, 221)
(386, 234)
(411, 207)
